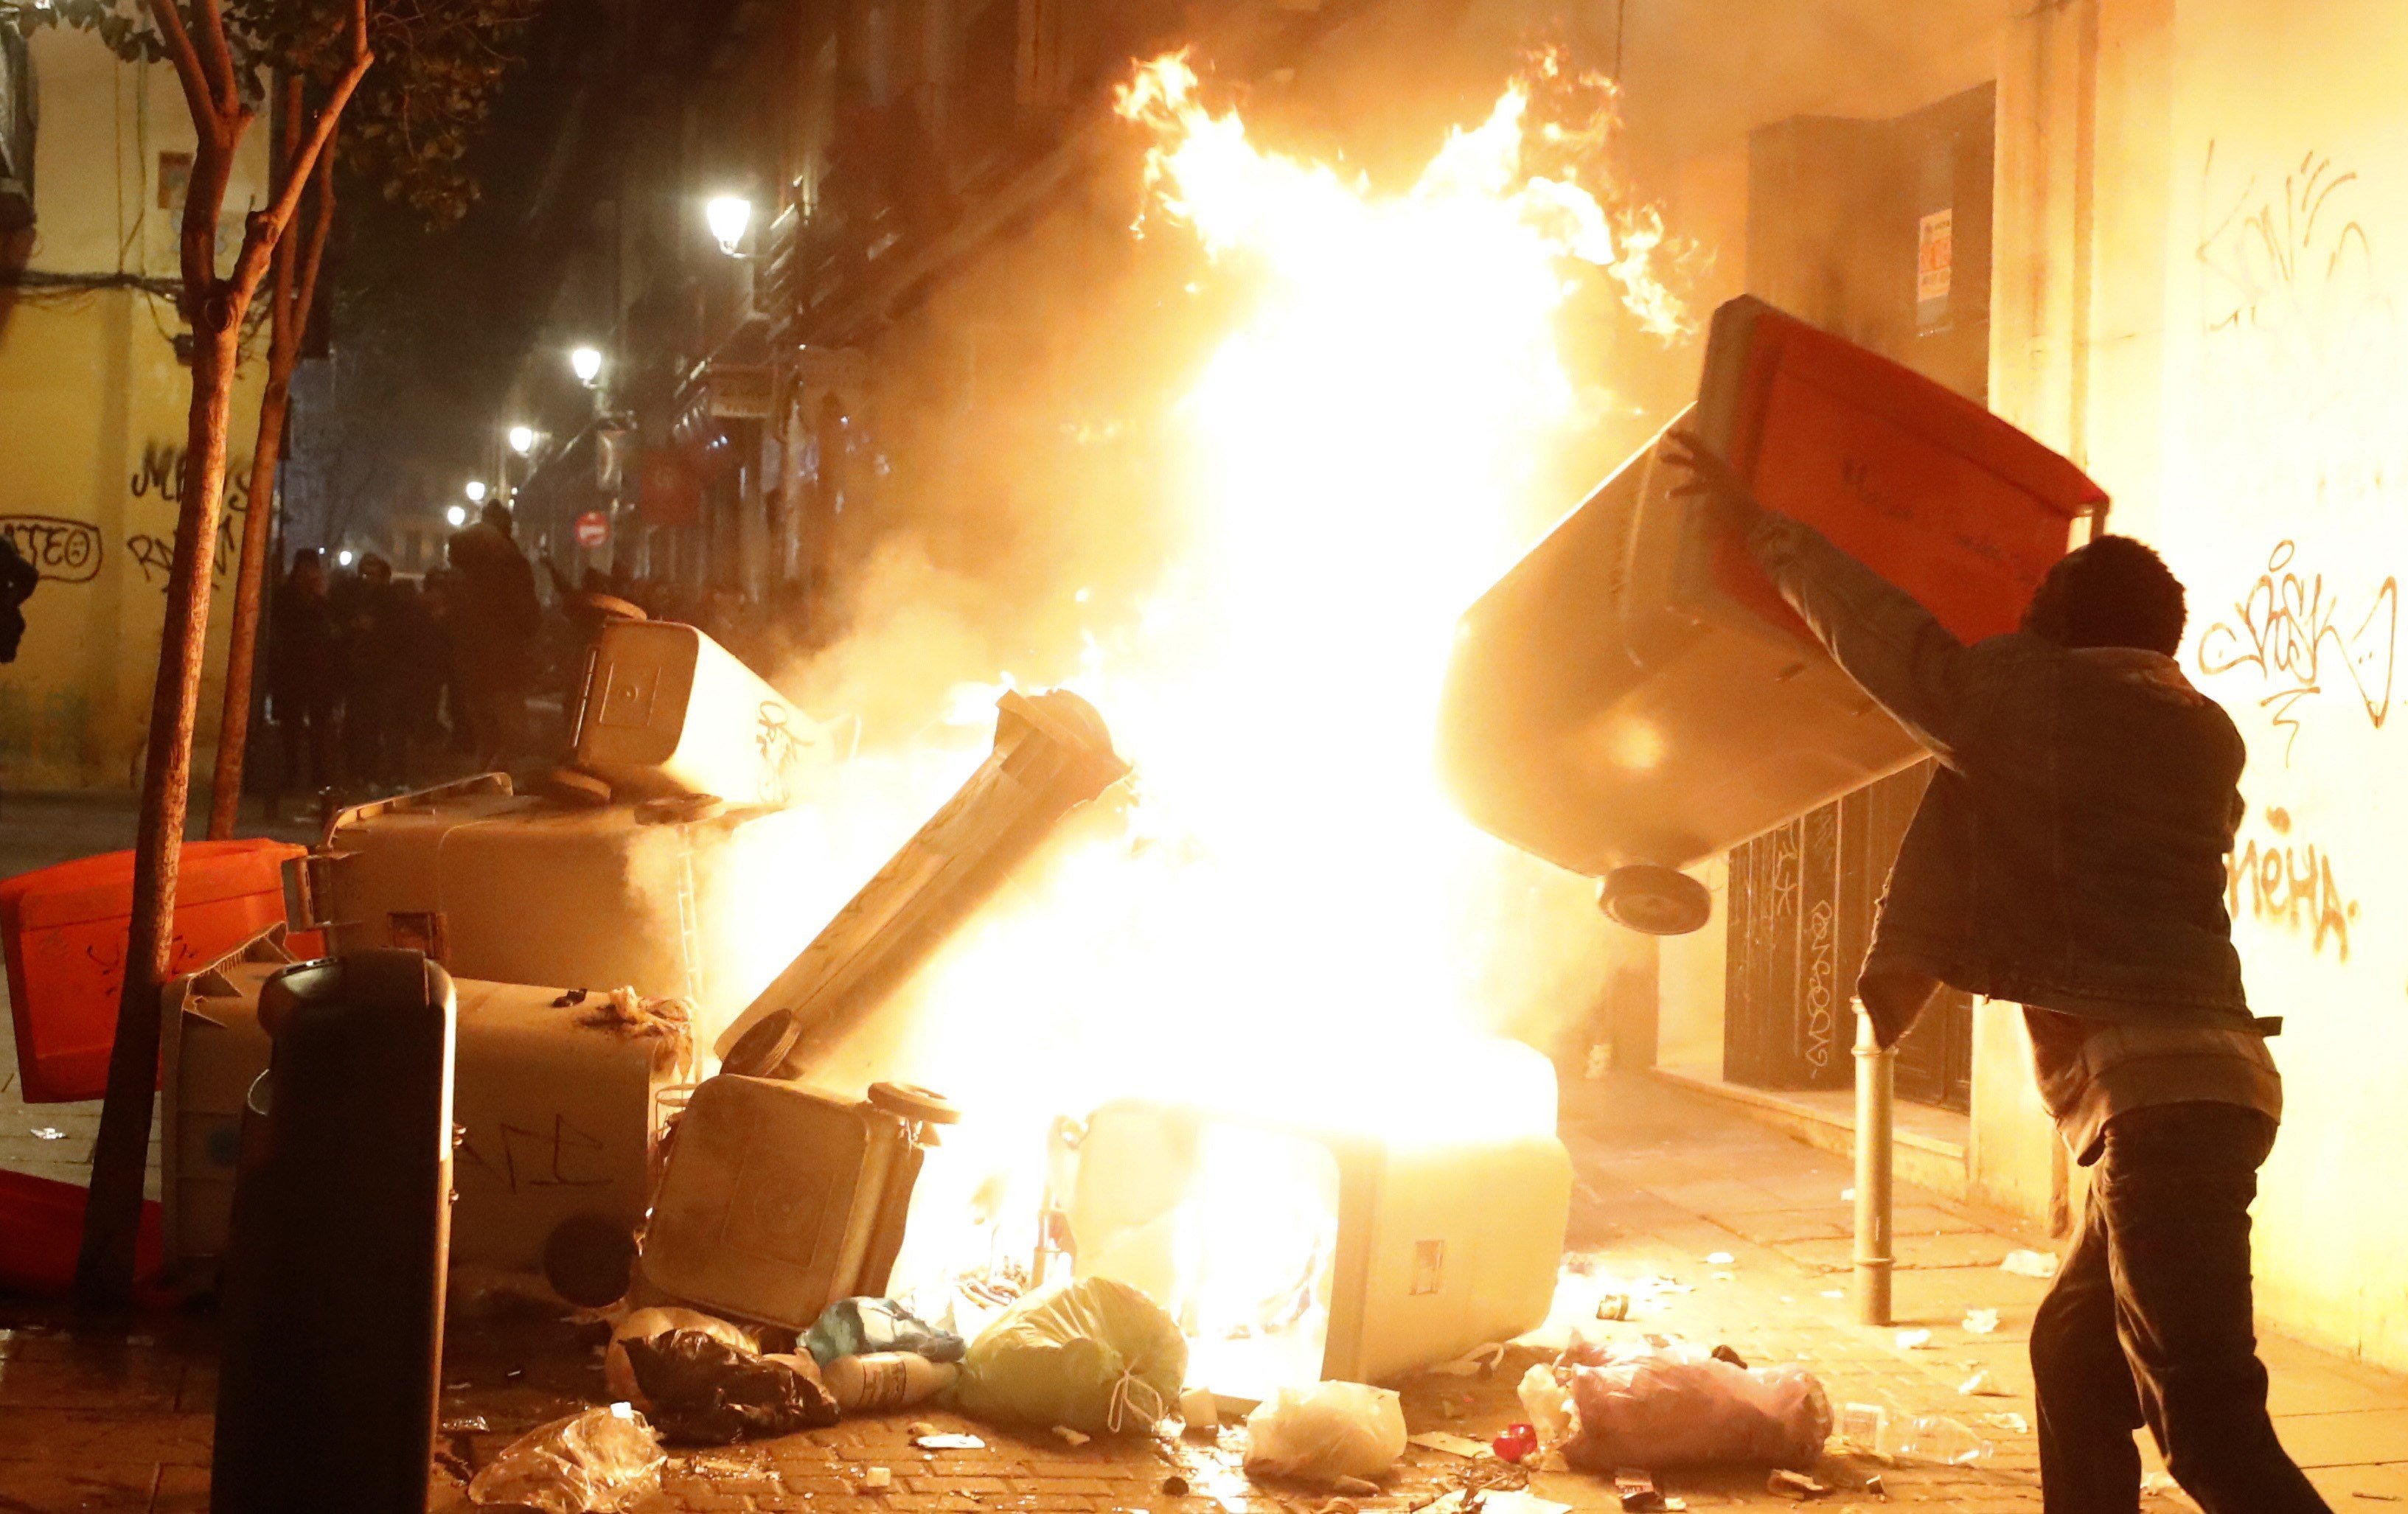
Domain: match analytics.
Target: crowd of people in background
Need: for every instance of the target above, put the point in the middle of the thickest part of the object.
(377, 682)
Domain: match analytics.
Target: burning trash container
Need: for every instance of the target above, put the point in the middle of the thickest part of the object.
(1634, 696)
(1052, 754)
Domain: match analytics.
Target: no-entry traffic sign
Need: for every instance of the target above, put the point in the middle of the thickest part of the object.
(593, 529)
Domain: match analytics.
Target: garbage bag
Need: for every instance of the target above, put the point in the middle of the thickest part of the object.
(704, 1391)
(595, 1462)
(868, 1326)
(638, 1324)
(1327, 1431)
(1096, 1355)
(1676, 1406)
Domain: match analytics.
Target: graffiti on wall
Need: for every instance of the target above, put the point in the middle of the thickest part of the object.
(160, 476)
(2303, 639)
(60, 549)
(2301, 348)
(2288, 883)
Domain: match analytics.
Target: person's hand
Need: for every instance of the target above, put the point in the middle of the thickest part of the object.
(1712, 482)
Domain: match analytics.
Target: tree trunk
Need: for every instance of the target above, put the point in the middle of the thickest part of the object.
(249, 585)
(105, 1270)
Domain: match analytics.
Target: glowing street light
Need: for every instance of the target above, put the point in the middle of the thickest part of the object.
(729, 216)
(521, 439)
(475, 491)
(586, 362)
(345, 557)
(457, 515)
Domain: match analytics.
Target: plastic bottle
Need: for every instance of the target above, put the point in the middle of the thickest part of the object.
(885, 1380)
(1936, 1438)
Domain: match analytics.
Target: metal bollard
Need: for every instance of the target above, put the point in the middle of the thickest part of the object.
(1876, 1068)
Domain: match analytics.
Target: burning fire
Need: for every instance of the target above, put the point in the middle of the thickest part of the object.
(1293, 920)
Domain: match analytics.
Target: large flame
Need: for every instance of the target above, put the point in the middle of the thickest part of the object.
(1302, 925)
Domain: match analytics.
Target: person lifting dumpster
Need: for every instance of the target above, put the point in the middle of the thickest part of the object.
(2068, 855)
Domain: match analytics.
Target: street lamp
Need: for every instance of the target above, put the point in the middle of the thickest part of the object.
(729, 216)
(521, 439)
(586, 362)
(475, 491)
(343, 558)
(457, 515)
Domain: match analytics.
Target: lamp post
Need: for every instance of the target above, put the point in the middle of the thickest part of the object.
(586, 362)
(521, 439)
(457, 515)
(475, 491)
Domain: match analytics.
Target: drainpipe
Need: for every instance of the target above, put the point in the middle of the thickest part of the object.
(1876, 1067)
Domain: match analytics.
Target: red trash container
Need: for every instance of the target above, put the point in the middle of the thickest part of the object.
(63, 930)
(1634, 697)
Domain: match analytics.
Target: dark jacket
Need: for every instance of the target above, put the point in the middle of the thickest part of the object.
(2070, 852)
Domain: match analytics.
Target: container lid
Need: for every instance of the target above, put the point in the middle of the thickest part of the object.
(102, 888)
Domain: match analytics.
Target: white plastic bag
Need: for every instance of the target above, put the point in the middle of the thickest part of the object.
(1548, 1405)
(1327, 1431)
(595, 1462)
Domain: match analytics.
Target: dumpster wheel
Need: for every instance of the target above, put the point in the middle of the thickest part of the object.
(1655, 901)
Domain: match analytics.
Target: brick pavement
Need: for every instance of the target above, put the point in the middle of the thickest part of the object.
(117, 1418)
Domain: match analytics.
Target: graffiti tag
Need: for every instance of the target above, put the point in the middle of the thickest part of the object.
(2290, 885)
(60, 549)
(2298, 634)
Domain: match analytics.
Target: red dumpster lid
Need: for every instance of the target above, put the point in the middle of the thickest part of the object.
(102, 887)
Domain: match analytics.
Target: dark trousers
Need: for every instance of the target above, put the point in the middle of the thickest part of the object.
(2150, 1324)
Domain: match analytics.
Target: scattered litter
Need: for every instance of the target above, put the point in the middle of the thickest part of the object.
(1327, 1431)
(1670, 1405)
(875, 1478)
(949, 1442)
(872, 1326)
(1847, 1195)
(1875, 1486)
(1719, 1259)
(1865, 1424)
(1454, 1445)
(1071, 1437)
(569, 1000)
(1549, 1404)
(2029, 1263)
(601, 1459)
(641, 1324)
(1637, 1490)
(1356, 1488)
(1835, 1293)
(1981, 1385)
(1725, 1277)
(2158, 1484)
(1724, 1353)
(1341, 1505)
(2008, 1421)
(1912, 1340)
(2375, 1497)
(920, 1427)
(1515, 1442)
(1981, 1321)
(703, 1391)
(1520, 1501)
(1197, 1407)
(1096, 1355)
(1936, 1438)
(885, 1380)
(1794, 1486)
(1613, 1306)
(469, 1424)
(49, 1133)
(1480, 1364)
(1176, 1486)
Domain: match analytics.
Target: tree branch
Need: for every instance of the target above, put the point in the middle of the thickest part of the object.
(267, 227)
(314, 257)
(218, 54)
(197, 93)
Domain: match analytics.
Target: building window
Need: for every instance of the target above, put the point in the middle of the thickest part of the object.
(16, 133)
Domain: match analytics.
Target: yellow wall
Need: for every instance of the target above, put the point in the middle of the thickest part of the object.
(92, 411)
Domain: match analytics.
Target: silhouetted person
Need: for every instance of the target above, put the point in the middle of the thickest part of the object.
(2068, 855)
(373, 651)
(422, 673)
(18, 581)
(494, 620)
(305, 683)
